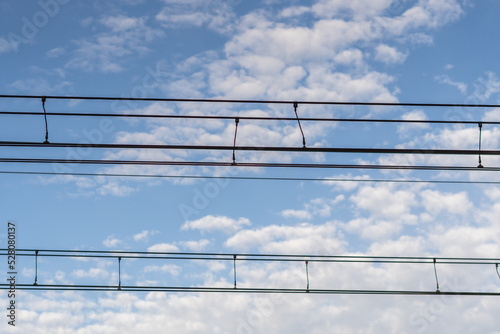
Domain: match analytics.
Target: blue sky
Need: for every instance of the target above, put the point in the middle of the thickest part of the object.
(436, 51)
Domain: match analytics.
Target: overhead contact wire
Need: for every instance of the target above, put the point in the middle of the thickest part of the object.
(237, 101)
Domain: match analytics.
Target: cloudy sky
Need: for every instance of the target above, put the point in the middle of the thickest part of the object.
(432, 51)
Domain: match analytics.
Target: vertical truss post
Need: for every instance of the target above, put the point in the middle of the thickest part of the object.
(307, 275)
(234, 270)
(36, 268)
(480, 139)
(119, 273)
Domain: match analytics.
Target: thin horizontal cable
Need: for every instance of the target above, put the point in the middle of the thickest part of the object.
(243, 164)
(62, 287)
(253, 148)
(346, 103)
(249, 256)
(256, 118)
(250, 178)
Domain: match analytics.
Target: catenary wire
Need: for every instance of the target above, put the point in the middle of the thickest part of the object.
(251, 178)
(95, 288)
(344, 103)
(253, 148)
(244, 164)
(255, 118)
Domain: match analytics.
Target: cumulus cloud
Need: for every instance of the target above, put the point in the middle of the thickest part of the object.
(195, 246)
(317, 207)
(171, 269)
(111, 242)
(436, 202)
(116, 189)
(384, 201)
(376, 219)
(303, 238)
(389, 55)
(144, 235)
(326, 57)
(213, 223)
(163, 248)
(407, 129)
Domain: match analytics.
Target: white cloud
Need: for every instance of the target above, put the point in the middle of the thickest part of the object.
(172, 269)
(214, 14)
(91, 273)
(40, 86)
(317, 207)
(212, 223)
(127, 36)
(294, 11)
(384, 201)
(122, 23)
(163, 248)
(373, 229)
(384, 216)
(485, 87)
(116, 189)
(144, 235)
(404, 246)
(346, 185)
(467, 241)
(111, 242)
(303, 238)
(298, 214)
(407, 129)
(462, 87)
(56, 52)
(195, 246)
(436, 202)
(381, 211)
(389, 55)
(267, 57)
